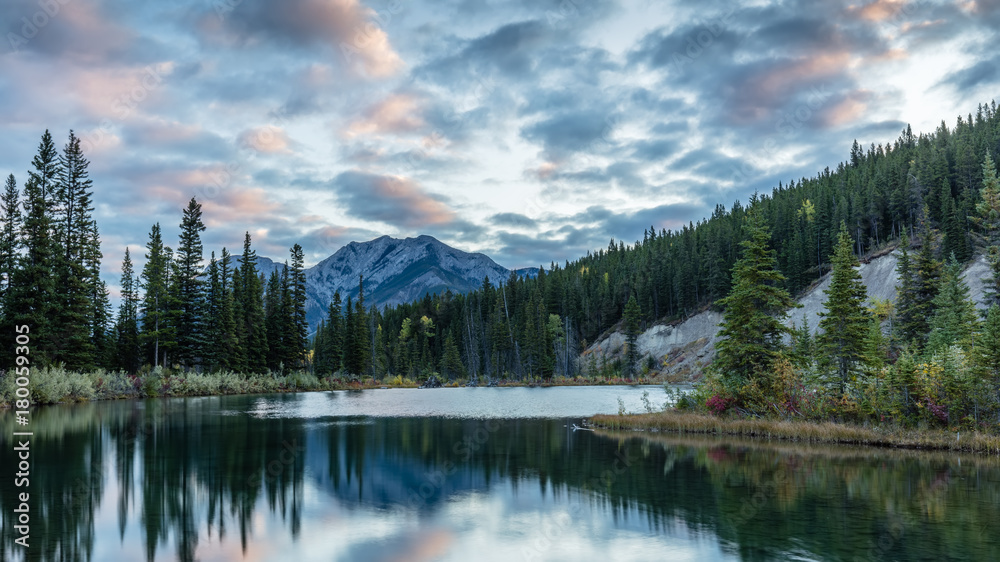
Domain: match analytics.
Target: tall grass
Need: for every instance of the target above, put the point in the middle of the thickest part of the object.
(803, 431)
(53, 385)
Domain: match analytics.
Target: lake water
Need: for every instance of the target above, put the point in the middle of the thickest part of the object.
(469, 474)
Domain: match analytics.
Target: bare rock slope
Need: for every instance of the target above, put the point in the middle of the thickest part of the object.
(680, 350)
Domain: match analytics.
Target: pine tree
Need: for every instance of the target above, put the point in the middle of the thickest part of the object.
(927, 278)
(906, 292)
(251, 312)
(986, 353)
(630, 320)
(127, 326)
(213, 317)
(189, 289)
(751, 331)
(157, 334)
(955, 320)
(33, 296)
(228, 341)
(846, 321)
(988, 219)
(451, 360)
(79, 321)
(274, 320)
(9, 235)
(333, 341)
(300, 326)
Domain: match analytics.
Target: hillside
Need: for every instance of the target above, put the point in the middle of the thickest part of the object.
(681, 349)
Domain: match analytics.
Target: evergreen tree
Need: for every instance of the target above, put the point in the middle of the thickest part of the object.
(300, 326)
(253, 341)
(156, 334)
(926, 281)
(988, 219)
(9, 235)
(226, 345)
(986, 353)
(955, 320)
(77, 315)
(631, 323)
(751, 331)
(129, 355)
(274, 319)
(32, 293)
(358, 357)
(333, 342)
(189, 289)
(451, 360)
(846, 321)
(213, 317)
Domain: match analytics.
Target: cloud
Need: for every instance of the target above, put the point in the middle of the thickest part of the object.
(396, 114)
(984, 72)
(513, 219)
(347, 27)
(394, 200)
(269, 139)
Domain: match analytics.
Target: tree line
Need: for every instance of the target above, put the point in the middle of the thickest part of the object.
(538, 327)
(227, 316)
(175, 312)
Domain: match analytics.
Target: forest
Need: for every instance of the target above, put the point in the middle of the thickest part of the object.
(929, 194)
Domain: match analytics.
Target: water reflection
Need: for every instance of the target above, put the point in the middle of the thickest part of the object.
(178, 480)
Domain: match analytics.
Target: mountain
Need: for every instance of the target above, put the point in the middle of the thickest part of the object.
(397, 271)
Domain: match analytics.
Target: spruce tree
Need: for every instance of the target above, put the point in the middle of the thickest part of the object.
(630, 319)
(988, 219)
(189, 289)
(300, 326)
(334, 334)
(751, 331)
(129, 355)
(156, 334)
(906, 292)
(228, 341)
(845, 323)
(213, 317)
(451, 360)
(986, 353)
(955, 320)
(10, 202)
(274, 320)
(251, 316)
(927, 280)
(33, 298)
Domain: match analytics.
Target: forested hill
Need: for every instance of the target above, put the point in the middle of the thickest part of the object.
(536, 326)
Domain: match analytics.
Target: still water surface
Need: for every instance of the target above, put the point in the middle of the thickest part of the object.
(471, 474)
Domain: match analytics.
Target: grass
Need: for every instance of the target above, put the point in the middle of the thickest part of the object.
(802, 431)
(53, 385)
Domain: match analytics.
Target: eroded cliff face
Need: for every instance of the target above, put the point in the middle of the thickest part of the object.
(682, 349)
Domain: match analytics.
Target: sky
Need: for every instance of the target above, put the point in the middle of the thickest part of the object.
(530, 130)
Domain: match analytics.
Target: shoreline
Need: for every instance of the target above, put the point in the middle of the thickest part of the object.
(886, 437)
(56, 386)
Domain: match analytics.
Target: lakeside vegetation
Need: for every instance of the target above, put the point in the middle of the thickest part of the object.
(54, 385)
(888, 436)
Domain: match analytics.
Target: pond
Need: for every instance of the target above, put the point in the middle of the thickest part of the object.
(469, 474)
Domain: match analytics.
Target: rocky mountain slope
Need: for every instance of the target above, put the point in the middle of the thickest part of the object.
(395, 271)
(680, 350)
